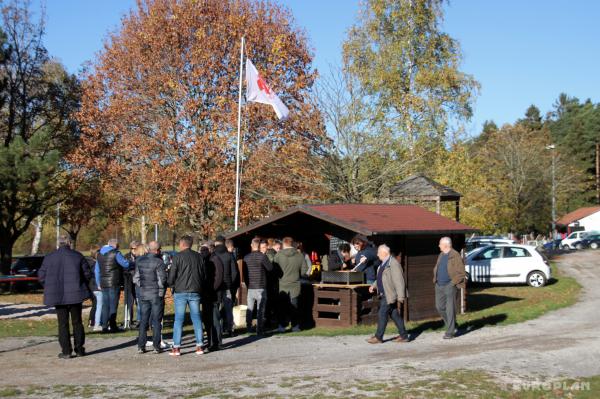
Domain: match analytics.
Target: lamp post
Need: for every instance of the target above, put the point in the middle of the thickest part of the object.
(552, 147)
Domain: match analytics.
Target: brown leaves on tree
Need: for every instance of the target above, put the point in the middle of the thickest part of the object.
(159, 112)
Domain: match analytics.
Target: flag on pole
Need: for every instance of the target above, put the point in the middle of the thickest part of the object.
(257, 90)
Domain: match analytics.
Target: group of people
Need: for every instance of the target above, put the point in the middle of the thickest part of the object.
(206, 281)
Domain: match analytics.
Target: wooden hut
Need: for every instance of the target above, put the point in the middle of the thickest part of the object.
(410, 231)
(421, 189)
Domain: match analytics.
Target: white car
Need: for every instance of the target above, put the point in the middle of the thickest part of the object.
(572, 238)
(507, 264)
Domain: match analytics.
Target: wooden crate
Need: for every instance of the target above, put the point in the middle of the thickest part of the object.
(342, 306)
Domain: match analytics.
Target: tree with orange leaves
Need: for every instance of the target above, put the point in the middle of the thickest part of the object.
(159, 106)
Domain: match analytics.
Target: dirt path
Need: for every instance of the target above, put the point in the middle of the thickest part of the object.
(564, 343)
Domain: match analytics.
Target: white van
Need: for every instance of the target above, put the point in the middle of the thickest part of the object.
(575, 236)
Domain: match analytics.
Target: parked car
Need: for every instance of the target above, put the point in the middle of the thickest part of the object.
(508, 264)
(550, 245)
(482, 241)
(27, 265)
(590, 241)
(568, 243)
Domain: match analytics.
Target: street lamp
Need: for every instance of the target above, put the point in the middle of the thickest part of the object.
(552, 147)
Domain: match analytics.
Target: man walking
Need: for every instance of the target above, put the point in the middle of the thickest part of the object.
(110, 264)
(391, 289)
(290, 261)
(65, 275)
(151, 279)
(186, 278)
(257, 265)
(448, 276)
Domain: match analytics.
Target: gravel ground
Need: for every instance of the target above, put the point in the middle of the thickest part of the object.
(563, 343)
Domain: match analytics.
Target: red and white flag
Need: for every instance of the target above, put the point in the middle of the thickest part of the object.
(257, 90)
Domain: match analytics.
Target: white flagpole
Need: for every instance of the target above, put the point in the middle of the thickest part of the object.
(237, 158)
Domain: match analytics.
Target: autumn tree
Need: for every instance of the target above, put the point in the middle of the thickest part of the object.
(87, 204)
(159, 109)
(410, 69)
(37, 98)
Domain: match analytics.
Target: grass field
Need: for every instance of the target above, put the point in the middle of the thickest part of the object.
(487, 305)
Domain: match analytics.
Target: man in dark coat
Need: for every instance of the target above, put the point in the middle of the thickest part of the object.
(129, 288)
(150, 278)
(210, 315)
(65, 275)
(228, 279)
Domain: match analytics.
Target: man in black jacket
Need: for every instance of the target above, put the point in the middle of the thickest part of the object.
(210, 312)
(257, 265)
(109, 267)
(65, 275)
(186, 278)
(129, 292)
(225, 296)
(151, 279)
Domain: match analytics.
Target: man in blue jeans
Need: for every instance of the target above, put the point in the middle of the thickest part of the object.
(186, 277)
(108, 271)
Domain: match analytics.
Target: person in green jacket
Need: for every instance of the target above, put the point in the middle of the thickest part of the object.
(290, 262)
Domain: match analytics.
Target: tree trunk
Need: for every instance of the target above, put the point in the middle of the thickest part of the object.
(39, 226)
(143, 229)
(6, 247)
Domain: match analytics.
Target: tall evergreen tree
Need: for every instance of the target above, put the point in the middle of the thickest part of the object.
(37, 97)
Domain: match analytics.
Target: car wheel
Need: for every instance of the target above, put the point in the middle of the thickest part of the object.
(579, 246)
(565, 247)
(536, 279)
(594, 245)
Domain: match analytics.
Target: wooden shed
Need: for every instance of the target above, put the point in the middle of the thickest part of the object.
(421, 189)
(410, 231)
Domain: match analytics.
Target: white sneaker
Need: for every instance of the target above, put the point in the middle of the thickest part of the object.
(164, 345)
(296, 329)
(97, 328)
(281, 329)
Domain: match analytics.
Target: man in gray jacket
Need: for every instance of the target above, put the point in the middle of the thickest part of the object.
(392, 293)
(151, 279)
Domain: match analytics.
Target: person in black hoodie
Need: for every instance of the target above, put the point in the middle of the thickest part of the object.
(186, 277)
(210, 311)
(224, 290)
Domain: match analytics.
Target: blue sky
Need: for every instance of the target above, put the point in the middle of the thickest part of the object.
(522, 52)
